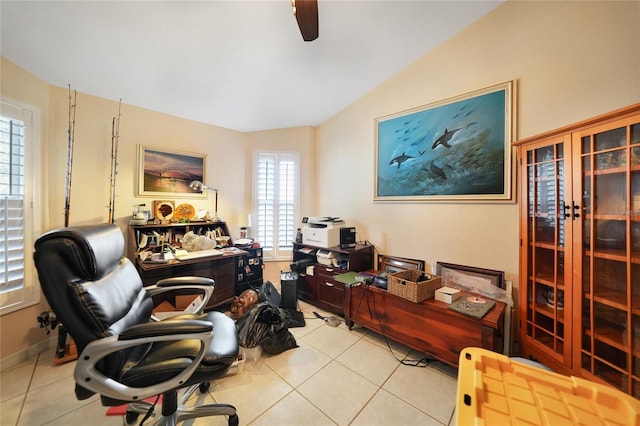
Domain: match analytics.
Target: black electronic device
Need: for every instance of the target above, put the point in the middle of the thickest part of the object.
(289, 288)
(347, 237)
(301, 265)
(381, 280)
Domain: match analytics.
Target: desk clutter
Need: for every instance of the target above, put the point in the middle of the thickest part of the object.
(463, 288)
(326, 270)
(154, 243)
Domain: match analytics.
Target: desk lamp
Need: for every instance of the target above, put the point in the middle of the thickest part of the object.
(196, 185)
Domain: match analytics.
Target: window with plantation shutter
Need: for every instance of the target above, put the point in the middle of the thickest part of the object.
(12, 239)
(276, 177)
(17, 286)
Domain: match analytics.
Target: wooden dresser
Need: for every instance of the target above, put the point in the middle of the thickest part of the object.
(429, 327)
(221, 269)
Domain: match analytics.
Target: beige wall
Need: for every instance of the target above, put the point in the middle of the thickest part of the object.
(92, 158)
(301, 140)
(571, 61)
(228, 167)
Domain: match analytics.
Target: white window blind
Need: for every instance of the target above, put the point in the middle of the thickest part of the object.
(17, 287)
(276, 176)
(12, 240)
(11, 204)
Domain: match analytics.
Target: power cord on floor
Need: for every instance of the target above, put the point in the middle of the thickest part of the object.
(150, 411)
(422, 362)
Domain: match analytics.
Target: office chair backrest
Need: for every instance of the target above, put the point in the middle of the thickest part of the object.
(94, 291)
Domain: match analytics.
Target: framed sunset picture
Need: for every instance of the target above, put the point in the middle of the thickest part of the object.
(167, 173)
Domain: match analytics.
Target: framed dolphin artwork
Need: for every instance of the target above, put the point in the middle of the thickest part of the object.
(457, 149)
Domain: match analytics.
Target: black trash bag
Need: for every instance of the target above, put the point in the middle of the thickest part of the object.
(269, 293)
(265, 325)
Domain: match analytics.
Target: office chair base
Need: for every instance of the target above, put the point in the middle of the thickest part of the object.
(181, 412)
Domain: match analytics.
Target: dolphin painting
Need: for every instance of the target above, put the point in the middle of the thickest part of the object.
(437, 171)
(445, 138)
(404, 157)
(419, 140)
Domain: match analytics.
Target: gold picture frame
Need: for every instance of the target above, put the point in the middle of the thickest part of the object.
(458, 149)
(166, 173)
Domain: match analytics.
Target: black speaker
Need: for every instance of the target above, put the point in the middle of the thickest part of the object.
(347, 237)
(289, 290)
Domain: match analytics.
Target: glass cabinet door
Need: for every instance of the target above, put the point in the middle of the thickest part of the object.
(608, 294)
(546, 319)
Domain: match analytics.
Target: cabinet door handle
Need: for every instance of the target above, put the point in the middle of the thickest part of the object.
(329, 269)
(328, 284)
(567, 211)
(576, 210)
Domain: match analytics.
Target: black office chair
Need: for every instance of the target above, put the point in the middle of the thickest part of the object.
(124, 355)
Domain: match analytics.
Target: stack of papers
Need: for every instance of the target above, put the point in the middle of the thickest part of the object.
(186, 255)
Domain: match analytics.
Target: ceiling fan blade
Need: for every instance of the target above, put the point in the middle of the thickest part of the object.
(306, 12)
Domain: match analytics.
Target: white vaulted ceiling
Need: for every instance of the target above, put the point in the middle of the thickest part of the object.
(237, 64)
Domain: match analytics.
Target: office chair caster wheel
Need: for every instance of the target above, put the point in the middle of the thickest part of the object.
(204, 387)
(233, 420)
(131, 417)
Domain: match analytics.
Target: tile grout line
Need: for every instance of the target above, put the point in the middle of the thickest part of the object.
(360, 336)
(26, 393)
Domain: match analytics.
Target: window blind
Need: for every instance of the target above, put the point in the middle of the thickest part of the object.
(276, 202)
(11, 204)
(11, 243)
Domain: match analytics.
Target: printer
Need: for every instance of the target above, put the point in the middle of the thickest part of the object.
(322, 231)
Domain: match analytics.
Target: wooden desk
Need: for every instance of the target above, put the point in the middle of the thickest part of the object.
(429, 327)
(222, 269)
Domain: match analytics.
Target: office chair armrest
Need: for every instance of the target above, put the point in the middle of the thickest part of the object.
(167, 285)
(88, 376)
(166, 327)
(186, 280)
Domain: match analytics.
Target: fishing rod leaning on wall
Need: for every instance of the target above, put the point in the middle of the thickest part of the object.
(115, 137)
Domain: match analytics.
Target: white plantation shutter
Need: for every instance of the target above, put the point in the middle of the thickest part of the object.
(287, 200)
(17, 286)
(12, 243)
(276, 176)
(265, 195)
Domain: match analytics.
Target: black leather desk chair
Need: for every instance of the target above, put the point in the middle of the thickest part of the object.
(124, 356)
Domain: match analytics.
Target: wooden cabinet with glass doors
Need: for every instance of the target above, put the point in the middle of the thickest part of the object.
(579, 307)
(544, 319)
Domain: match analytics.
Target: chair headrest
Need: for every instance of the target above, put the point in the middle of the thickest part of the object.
(97, 249)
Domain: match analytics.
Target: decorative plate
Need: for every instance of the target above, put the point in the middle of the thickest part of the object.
(184, 211)
(164, 210)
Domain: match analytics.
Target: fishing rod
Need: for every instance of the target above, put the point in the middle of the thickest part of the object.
(70, 137)
(115, 136)
(62, 355)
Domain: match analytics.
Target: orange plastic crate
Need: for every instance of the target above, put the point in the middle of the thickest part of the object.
(493, 389)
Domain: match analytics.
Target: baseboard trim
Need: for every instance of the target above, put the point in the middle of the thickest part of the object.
(31, 351)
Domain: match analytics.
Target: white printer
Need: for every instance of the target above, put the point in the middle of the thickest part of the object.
(322, 231)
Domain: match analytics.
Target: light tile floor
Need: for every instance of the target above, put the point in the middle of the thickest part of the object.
(335, 377)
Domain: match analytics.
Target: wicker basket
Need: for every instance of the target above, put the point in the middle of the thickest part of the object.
(405, 285)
